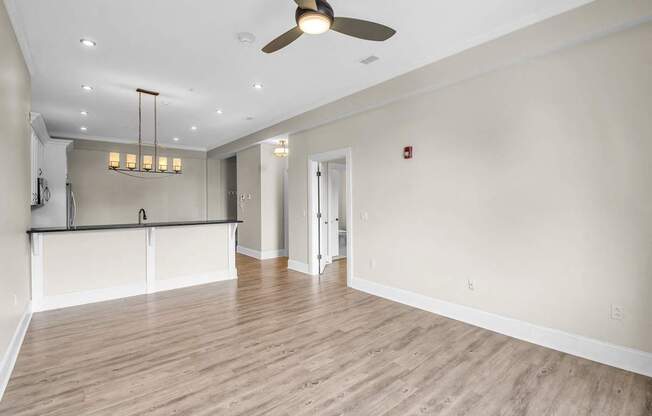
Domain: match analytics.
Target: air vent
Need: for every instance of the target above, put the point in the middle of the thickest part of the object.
(369, 60)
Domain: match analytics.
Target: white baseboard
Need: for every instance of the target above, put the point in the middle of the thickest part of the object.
(9, 359)
(614, 355)
(262, 255)
(189, 281)
(49, 303)
(298, 266)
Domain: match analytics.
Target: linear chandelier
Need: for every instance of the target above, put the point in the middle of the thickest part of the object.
(142, 165)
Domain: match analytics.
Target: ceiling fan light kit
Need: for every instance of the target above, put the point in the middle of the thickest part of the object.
(314, 23)
(315, 17)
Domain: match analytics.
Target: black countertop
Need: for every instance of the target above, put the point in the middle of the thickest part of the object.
(127, 226)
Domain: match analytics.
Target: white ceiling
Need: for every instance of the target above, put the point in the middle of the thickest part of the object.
(188, 51)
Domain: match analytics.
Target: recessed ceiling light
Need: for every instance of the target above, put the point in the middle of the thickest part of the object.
(83, 113)
(88, 42)
(220, 112)
(258, 86)
(83, 129)
(176, 139)
(249, 118)
(193, 128)
(87, 87)
(246, 37)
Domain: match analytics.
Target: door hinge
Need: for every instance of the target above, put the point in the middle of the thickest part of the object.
(318, 173)
(319, 257)
(319, 215)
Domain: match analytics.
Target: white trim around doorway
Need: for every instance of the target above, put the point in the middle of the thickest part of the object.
(313, 161)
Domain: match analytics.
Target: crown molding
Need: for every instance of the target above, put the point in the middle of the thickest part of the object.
(100, 139)
(17, 23)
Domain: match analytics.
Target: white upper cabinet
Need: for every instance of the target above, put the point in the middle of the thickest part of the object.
(38, 140)
(37, 148)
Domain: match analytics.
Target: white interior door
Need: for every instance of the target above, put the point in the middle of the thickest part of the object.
(323, 216)
(333, 212)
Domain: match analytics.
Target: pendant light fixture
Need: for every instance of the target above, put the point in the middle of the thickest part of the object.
(282, 149)
(145, 165)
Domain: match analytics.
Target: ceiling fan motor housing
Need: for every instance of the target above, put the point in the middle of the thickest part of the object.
(323, 8)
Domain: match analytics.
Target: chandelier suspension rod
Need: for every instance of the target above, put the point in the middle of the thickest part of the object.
(140, 128)
(155, 134)
(140, 124)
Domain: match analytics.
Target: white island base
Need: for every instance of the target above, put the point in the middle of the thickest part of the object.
(77, 267)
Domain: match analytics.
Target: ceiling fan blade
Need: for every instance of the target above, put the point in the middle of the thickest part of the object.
(362, 29)
(284, 40)
(307, 4)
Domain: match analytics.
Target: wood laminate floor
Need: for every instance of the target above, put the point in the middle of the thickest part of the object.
(281, 343)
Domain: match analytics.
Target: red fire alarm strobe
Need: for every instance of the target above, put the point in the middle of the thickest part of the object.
(407, 152)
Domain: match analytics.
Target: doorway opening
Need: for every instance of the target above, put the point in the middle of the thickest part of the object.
(331, 211)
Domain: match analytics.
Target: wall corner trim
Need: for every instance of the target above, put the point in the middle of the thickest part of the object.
(10, 357)
(602, 352)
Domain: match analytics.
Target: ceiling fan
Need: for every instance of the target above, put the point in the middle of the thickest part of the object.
(316, 17)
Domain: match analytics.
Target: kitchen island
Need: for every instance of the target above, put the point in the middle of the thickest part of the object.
(86, 264)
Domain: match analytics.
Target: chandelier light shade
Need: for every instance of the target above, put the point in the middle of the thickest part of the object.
(282, 149)
(114, 160)
(163, 164)
(147, 162)
(141, 165)
(176, 165)
(132, 162)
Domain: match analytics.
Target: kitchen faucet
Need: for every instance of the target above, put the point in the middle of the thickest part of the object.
(144, 216)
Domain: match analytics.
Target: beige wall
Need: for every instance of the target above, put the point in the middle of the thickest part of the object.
(221, 182)
(260, 174)
(230, 175)
(215, 207)
(272, 201)
(106, 197)
(533, 180)
(249, 210)
(14, 183)
(342, 196)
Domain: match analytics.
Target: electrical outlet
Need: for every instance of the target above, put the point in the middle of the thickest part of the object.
(372, 264)
(471, 284)
(617, 313)
(364, 216)
(15, 299)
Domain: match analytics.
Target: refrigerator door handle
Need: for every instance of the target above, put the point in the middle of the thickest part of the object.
(73, 211)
